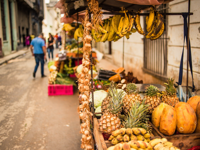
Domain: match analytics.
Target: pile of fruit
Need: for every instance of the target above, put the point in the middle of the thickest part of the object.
(114, 28)
(126, 116)
(183, 118)
(156, 144)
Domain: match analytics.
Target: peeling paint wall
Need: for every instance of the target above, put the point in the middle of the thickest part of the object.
(175, 45)
(133, 54)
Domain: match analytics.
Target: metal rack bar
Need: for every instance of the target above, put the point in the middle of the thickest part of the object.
(188, 32)
(123, 54)
(146, 14)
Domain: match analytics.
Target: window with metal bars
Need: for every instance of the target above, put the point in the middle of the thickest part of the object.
(3, 20)
(155, 51)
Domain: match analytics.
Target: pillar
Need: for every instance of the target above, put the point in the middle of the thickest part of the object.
(7, 43)
(14, 23)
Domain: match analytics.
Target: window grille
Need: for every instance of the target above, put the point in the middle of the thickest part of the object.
(155, 51)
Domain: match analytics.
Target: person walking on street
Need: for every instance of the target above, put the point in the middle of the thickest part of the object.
(56, 38)
(27, 42)
(38, 50)
(51, 41)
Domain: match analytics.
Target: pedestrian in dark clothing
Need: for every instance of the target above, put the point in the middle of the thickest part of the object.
(50, 49)
(38, 50)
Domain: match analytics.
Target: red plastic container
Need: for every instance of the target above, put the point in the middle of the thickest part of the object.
(72, 75)
(76, 62)
(58, 89)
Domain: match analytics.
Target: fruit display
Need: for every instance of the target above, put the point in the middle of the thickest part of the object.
(152, 98)
(186, 118)
(114, 28)
(131, 97)
(156, 144)
(126, 135)
(169, 96)
(78, 32)
(193, 101)
(198, 118)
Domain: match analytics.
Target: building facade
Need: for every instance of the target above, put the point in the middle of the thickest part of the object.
(51, 22)
(19, 18)
(155, 61)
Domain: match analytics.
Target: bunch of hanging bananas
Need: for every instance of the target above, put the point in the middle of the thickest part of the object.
(154, 25)
(114, 28)
(67, 27)
(78, 32)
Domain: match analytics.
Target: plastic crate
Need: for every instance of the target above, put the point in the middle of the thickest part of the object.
(72, 75)
(58, 89)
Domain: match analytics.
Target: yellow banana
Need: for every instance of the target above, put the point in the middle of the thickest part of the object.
(76, 34)
(102, 29)
(115, 22)
(105, 36)
(138, 26)
(120, 27)
(111, 32)
(131, 22)
(151, 19)
(126, 24)
(159, 29)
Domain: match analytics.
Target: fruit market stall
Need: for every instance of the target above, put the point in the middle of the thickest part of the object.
(121, 116)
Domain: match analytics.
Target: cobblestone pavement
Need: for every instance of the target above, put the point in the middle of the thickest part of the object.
(29, 118)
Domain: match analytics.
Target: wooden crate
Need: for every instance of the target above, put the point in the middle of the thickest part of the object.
(98, 137)
(182, 141)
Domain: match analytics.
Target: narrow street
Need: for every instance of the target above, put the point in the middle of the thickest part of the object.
(30, 119)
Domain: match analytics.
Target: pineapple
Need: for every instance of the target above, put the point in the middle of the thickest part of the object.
(138, 117)
(169, 96)
(114, 96)
(110, 121)
(131, 97)
(152, 98)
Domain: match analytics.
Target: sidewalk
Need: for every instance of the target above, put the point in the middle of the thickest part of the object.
(106, 65)
(14, 55)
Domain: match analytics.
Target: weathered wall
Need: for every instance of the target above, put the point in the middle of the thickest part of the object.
(134, 47)
(175, 44)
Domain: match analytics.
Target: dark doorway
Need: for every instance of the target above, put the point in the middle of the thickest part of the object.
(11, 24)
(27, 31)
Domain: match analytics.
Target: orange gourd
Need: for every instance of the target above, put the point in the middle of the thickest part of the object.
(186, 118)
(168, 121)
(198, 118)
(193, 101)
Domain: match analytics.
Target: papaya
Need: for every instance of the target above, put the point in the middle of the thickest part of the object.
(198, 118)
(193, 101)
(168, 121)
(156, 114)
(186, 118)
